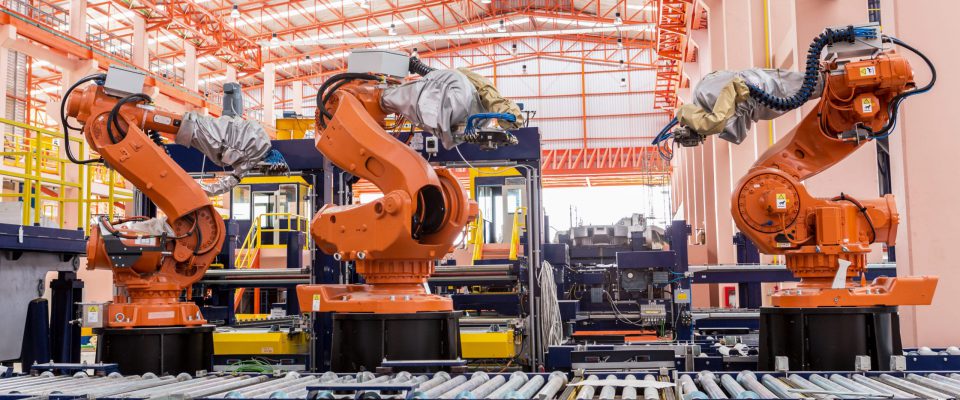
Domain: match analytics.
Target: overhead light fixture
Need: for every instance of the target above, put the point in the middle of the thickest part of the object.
(393, 30)
(486, 1)
(620, 43)
(365, 4)
(523, 68)
(618, 21)
(502, 27)
(274, 40)
(623, 65)
(235, 13)
(414, 53)
(513, 49)
(623, 82)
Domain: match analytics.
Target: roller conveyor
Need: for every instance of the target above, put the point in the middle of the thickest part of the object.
(292, 385)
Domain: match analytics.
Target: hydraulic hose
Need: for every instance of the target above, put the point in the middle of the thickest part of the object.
(66, 125)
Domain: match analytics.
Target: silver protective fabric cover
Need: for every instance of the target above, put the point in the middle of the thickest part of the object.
(228, 142)
(774, 81)
(439, 103)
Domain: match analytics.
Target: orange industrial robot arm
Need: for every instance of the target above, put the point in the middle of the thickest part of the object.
(826, 240)
(152, 263)
(393, 240)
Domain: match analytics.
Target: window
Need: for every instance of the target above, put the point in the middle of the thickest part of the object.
(240, 203)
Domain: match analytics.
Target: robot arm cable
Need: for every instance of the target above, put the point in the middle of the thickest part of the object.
(894, 107)
(66, 124)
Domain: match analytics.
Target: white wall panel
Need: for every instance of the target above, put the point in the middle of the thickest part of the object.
(631, 103)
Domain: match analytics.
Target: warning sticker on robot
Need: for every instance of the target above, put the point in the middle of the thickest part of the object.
(868, 71)
(867, 105)
(93, 315)
(781, 201)
(316, 302)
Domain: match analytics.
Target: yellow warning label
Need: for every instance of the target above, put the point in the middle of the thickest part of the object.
(867, 105)
(93, 309)
(682, 296)
(781, 201)
(868, 71)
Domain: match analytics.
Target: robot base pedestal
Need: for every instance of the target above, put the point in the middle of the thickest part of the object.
(828, 338)
(361, 341)
(162, 351)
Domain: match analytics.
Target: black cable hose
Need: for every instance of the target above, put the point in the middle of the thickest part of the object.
(66, 124)
(810, 76)
(112, 119)
(419, 68)
(893, 109)
(321, 92)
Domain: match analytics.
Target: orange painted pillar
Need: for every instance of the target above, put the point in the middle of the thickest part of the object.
(191, 73)
(267, 93)
(139, 51)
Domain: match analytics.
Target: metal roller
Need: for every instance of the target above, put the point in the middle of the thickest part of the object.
(882, 387)
(477, 379)
(484, 390)
(749, 380)
(778, 387)
(853, 386)
(943, 387)
(527, 390)
(586, 392)
(554, 384)
(708, 381)
(438, 378)
(841, 391)
(802, 383)
(945, 379)
(689, 389)
(735, 389)
(650, 393)
(629, 392)
(516, 380)
(442, 388)
(907, 386)
(608, 392)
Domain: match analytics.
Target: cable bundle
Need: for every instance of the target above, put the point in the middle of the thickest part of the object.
(550, 322)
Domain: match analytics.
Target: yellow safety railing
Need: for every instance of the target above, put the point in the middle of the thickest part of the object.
(476, 236)
(519, 223)
(31, 157)
(253, 242)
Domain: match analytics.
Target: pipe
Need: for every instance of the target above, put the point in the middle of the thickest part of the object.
(778, 387)
(749, 380)
(882, 387)
(650, 393)
(608, 392)
(903, 384)
(689, 389)
(516, 380)
(709, 384)
(629, 392)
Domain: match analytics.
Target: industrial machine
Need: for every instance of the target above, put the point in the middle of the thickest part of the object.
(393, 241)
(861, 83)
(148, 327)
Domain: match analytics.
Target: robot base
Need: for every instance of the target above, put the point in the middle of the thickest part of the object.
(828, 338)
(361, 341)
(162, 351)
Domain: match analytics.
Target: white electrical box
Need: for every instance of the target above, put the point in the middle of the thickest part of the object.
(122, 82)
(431, 145)
(378, 61)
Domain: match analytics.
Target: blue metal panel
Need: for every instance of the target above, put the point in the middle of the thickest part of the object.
(35, 238)
(755, 273)
(647, 259)
(300, 154)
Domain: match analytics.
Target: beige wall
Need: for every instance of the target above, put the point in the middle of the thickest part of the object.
(924, 181)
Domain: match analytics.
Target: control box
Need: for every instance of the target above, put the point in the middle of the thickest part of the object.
(379, 61)
(122, 82)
